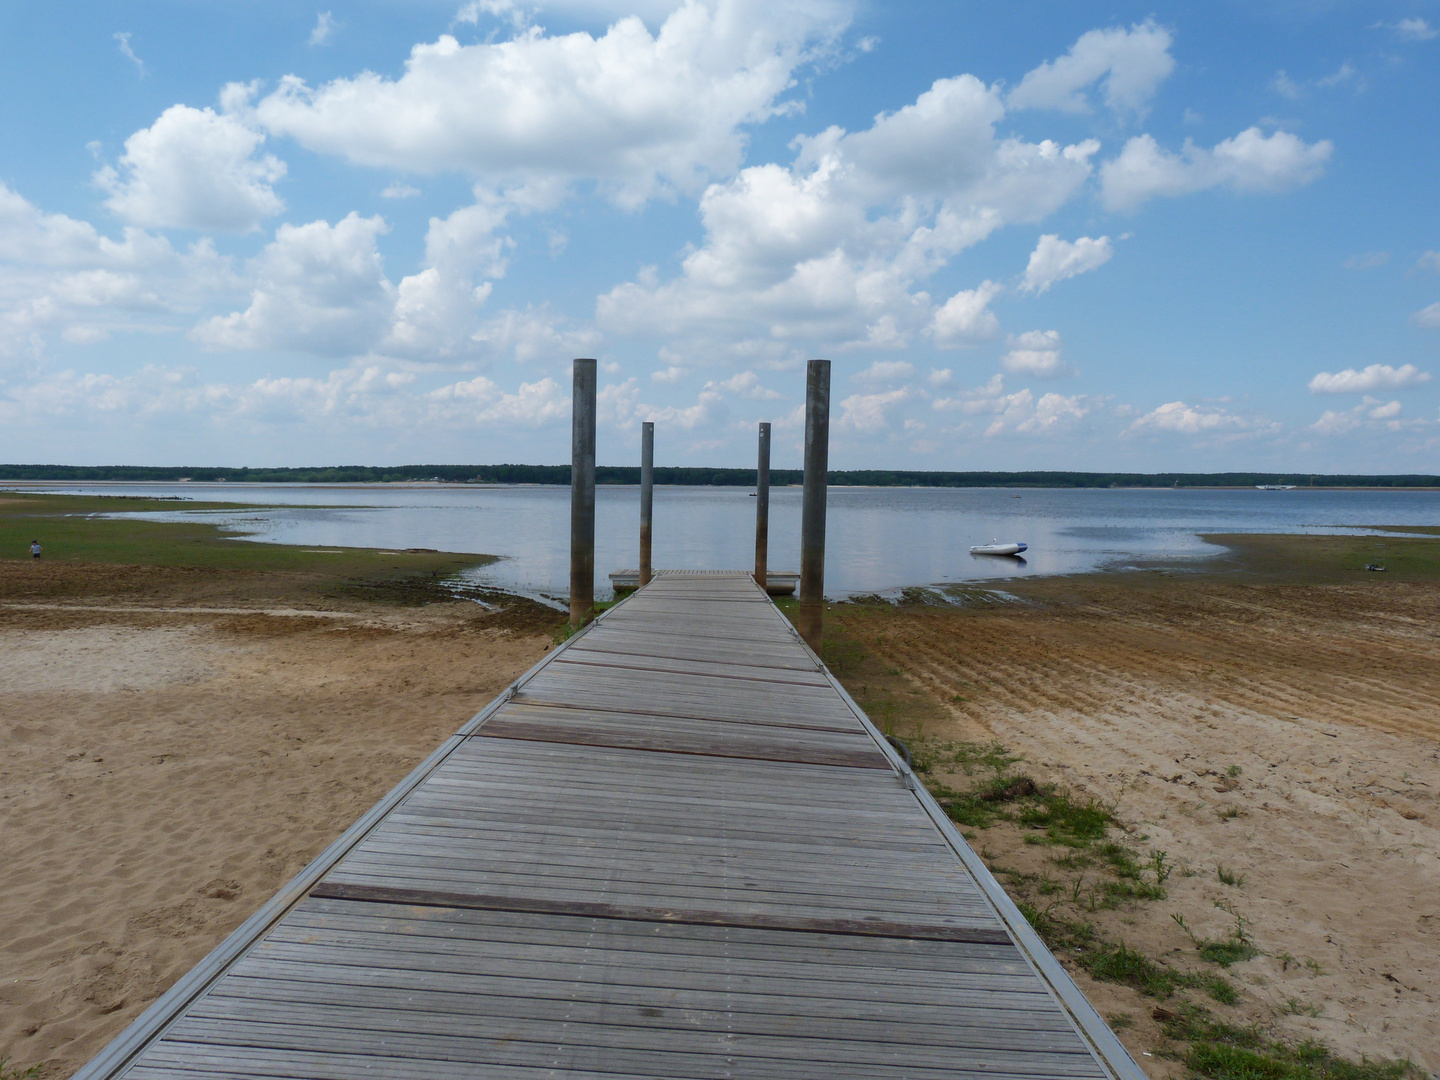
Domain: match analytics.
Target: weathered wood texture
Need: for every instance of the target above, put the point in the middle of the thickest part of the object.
(675, 850)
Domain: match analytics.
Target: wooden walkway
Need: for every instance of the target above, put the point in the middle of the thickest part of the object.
(675, 848)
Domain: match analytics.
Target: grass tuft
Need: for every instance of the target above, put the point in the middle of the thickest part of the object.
(1220, 1051)
(1116, 962)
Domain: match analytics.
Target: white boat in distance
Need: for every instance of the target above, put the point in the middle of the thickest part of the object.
(995, 547)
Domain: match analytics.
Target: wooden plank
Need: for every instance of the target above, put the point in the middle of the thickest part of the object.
(704, 974)
(678, 743)
(416, 1010)
(703, 1054)
(965, 998)
(519, 831)
(777, 721)
(692, 917)
(757, 863)
(961, 1001)
(539, 931)
(643, 645)
(740, 904)
(811, 882)
(801, 738)
(941, 1026)
(698, 669)
(254, 1062)
(684, 707)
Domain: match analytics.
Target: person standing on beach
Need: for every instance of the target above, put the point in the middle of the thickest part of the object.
(34, 549)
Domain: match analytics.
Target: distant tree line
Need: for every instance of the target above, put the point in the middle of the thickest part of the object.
(695, 476)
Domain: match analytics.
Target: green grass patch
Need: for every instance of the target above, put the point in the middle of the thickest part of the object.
(932, 754)
(1310, 559)
(1230, 951)
(1216, 1050)
(1233, 949)
(1116, 962)
(1066, 822)
(11, 1072)
(1080, 829)
(566, 630)
(1229, 877)
(71, 528)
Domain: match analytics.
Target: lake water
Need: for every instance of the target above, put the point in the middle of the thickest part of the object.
(878, 539)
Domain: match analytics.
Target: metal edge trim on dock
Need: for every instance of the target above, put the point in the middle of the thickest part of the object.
(1088, 1023)
(122, 1050)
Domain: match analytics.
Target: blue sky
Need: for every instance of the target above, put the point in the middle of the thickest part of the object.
(1035, 235)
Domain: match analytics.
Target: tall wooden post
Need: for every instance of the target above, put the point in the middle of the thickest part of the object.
(582, 495)
(762, 507)
(812, 514)
(647, 496)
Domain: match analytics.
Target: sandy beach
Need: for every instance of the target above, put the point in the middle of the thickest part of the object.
(175, 753)
(180, 744)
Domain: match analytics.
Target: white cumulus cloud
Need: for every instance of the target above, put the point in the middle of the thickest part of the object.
(535, 336)
(966, 319)
(59, 275)
(1249, 161)
(1374, 377)
(318, 288)
(194, 169)
(1178, 418)
(1132, 64)
(1037, 353)
(1371, 413)
(1055, 260)
(830, 250)
(532, 405)
(870, 413)
(638, 111)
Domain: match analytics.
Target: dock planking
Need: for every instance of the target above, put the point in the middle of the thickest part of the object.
(676, 848)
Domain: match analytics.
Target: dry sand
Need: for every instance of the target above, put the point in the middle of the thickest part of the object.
(1326, 698)
(167, 769)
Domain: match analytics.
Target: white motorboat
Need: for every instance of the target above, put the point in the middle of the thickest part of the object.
(996, 547)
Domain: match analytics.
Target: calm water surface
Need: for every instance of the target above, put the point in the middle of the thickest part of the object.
(878, 539)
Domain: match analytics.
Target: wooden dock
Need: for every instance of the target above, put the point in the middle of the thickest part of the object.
(675, 848)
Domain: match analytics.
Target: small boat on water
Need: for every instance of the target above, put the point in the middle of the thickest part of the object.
(996, 547)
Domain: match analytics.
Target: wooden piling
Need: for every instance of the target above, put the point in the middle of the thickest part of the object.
(812, 514)
(762, 507)
(582, 495)
(647, 496)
